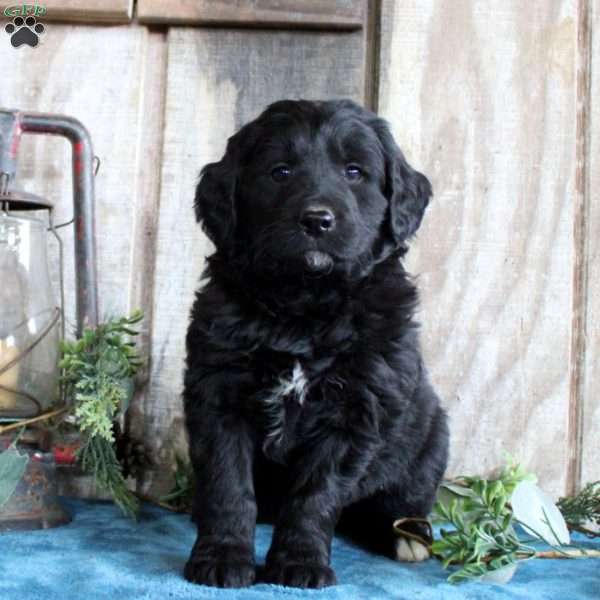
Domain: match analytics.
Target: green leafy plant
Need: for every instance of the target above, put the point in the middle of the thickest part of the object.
(97, 372)
(484, 513)
(97, 457)
(582, 511)
(483, 538)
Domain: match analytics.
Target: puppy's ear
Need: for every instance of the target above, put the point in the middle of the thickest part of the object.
(409, 197)
(215, 202)
(407, 190)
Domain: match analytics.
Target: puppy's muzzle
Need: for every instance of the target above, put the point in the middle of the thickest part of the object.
(317, 221)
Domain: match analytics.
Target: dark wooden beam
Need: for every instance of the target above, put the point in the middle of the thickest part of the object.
(285, 14)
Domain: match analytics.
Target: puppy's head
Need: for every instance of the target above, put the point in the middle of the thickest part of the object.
(311, 187)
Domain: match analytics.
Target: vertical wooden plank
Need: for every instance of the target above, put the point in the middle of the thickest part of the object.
(481, 96)
(372, 33)
(217, 80)
(590, 470)
(149, 159)
(105, 97)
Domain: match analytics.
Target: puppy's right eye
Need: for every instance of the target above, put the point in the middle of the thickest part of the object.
(281, 173)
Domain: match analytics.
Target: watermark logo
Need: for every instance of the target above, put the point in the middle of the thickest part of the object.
(25, 27)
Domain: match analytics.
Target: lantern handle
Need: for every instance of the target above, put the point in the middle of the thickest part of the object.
(12, 125)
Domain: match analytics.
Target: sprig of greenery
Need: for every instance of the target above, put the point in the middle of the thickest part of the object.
(484, 514)
(97, 456)
(583, 509)
(483, 539)
(97, 371)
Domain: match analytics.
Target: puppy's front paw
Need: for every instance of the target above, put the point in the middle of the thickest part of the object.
(302, 575)
(226, 571)
(409, 550)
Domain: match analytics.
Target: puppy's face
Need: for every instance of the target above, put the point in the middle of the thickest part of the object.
(311, 187)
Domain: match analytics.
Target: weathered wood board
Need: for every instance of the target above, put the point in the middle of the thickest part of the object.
(590, 467)
(148, 173)
(216, 81)
(95, 75)
(291, 14)
(481, 97)
(89, 11)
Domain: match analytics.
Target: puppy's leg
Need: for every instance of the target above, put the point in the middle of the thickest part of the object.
(324, 473)
(370, 521)
(224, 505)
(301, 547)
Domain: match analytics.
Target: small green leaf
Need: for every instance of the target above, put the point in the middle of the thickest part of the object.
(458, 490)
(12, 468)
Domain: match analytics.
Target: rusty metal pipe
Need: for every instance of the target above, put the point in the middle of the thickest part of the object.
(15, 123)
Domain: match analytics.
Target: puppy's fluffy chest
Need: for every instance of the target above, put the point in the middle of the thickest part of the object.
(290, 366)
(305, 372)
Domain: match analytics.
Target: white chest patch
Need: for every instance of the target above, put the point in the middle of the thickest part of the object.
(293, 387)
(295, 384)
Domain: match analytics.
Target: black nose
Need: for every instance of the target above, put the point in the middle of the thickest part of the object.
(317, 221)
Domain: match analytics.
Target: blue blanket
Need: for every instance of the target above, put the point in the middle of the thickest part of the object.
(104, 555)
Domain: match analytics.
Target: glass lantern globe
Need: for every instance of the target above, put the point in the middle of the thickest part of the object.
(29, 316)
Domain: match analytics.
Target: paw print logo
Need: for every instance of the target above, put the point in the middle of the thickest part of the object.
(24, 31)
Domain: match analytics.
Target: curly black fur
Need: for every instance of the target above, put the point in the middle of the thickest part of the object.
(306, 399)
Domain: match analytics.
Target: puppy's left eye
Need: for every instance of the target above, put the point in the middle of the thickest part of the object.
(353, 173)
(281, 173)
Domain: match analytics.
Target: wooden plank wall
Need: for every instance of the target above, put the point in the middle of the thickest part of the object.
(489, 99)
(483, 100)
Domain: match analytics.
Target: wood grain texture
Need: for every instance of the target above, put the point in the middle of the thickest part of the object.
(105, 97)
(590, 466)
(290, 14)
(218, 80)
(372, 32)
(481, 97)
(89, 11)
(143, 258)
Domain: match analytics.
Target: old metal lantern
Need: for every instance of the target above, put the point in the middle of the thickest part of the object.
(29, 316)
(31, 320)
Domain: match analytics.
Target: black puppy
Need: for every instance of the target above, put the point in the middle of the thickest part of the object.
(306, 398)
